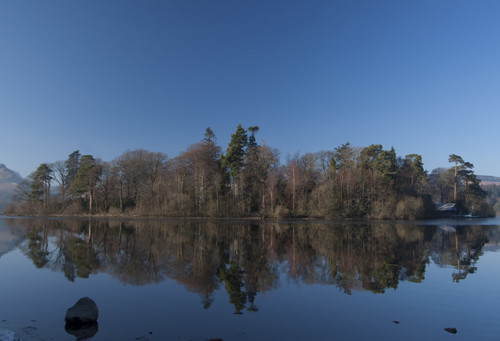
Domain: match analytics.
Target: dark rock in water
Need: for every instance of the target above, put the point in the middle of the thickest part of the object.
(395, 322)
(84, 311)
(82, 331)
(451, 330)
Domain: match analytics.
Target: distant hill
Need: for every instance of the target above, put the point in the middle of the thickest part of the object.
(8, 182)
(488, 180)
(8, 175)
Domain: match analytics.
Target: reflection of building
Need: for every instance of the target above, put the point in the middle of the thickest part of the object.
(447, 229)
(493, 247)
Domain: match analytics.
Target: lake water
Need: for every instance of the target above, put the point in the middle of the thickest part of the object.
(191, 280)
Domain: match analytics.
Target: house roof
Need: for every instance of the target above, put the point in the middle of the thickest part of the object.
(447, 207)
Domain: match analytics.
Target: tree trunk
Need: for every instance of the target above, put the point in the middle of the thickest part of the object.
(455, 187)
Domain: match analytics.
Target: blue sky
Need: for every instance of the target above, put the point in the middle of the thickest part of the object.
(107, 76)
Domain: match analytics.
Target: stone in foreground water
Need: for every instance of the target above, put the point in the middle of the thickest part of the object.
(84, 311)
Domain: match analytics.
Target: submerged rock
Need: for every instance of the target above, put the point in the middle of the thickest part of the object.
(451, 330)
(84, 311)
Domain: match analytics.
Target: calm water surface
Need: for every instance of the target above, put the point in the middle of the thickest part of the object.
(164, 280)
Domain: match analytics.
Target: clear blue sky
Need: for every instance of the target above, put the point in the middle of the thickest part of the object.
(107, 76)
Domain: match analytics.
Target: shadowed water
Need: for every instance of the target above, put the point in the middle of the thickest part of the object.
(181, 280)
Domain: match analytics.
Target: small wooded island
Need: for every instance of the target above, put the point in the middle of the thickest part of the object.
(249, 181)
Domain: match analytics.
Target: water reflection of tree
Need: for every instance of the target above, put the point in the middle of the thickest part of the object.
(232, 277)
(72, 253)
(38, 246)
(461, 247)
(247, 259)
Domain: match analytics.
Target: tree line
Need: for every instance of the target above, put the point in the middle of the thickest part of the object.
(248, 180)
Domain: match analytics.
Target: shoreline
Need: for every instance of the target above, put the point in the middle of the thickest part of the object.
(239, 219)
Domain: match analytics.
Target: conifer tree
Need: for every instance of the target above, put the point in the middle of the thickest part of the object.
(87, 177)
(72, 164)
(40, 186)
(235, 151)
(251, 140)
(457, 160)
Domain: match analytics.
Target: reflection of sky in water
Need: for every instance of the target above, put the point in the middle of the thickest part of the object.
(292, 311)
(460, 221)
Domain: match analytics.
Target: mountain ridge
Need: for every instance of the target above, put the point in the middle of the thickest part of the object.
(487, 180)
(8, 175)
(8, 182)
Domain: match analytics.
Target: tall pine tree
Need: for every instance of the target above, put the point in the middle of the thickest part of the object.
(235, 152)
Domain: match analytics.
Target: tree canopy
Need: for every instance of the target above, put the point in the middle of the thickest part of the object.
(249, 180)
